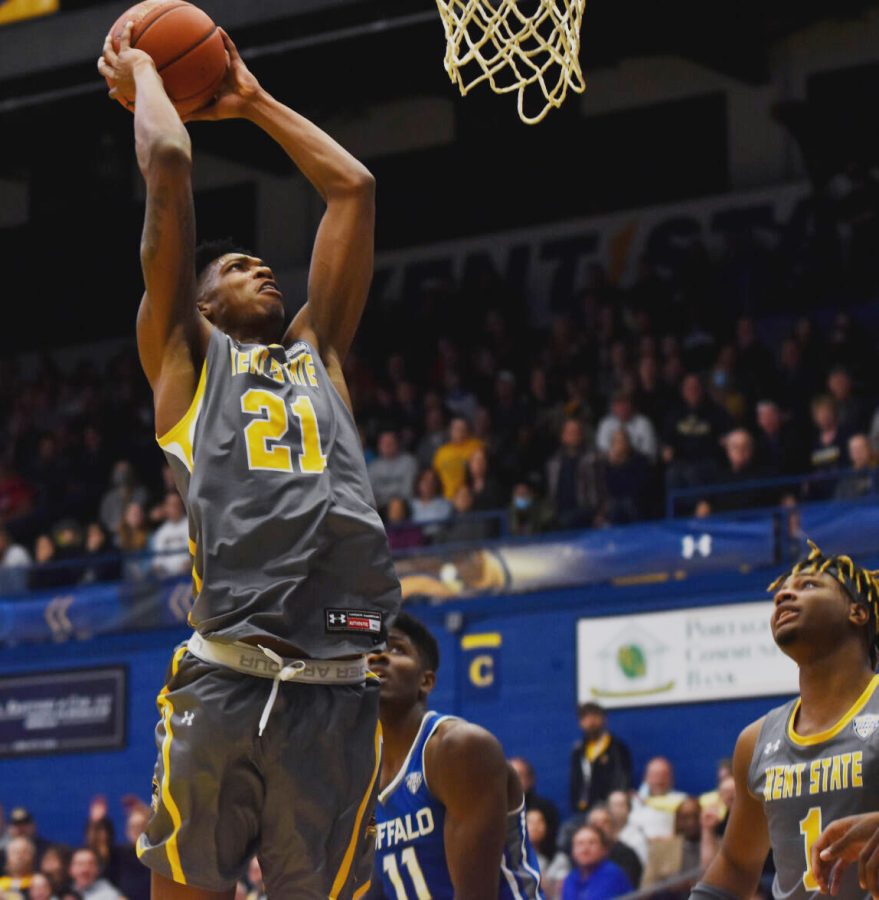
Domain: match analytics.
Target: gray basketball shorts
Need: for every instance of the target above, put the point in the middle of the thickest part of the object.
(301, 797)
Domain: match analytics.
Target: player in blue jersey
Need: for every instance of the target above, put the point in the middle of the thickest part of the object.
(451, 812)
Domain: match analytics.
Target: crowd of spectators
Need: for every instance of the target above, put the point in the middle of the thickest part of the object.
(100, 868)
(477, 422)
(614, 837)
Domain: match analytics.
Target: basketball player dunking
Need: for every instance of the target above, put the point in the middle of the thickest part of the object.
(816, 758)
(268, 740)
(451, 813)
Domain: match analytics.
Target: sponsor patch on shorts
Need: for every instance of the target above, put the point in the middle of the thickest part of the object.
(361, 621)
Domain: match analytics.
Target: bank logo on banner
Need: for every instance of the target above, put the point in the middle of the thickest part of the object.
(632, 665)
(14, 10)
(482, 665)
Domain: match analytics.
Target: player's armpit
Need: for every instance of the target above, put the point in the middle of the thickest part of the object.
(467, 772)
(736, 868)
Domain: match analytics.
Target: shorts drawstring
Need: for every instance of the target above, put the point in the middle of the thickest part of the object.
(285, 673)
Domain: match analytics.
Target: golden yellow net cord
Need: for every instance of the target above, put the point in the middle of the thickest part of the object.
(531, 48)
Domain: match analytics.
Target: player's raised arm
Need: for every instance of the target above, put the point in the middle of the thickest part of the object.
(467, 771)
(736, 869)
(342, 259)
(170, 329)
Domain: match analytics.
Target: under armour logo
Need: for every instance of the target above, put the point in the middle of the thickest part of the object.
(187, 718)
(337, 618)
(771, 747)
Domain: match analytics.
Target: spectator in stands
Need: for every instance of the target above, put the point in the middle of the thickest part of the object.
(533, 800)
(487, 492)
(656, 801)
(828, 445)
(627, 480)
(594, 876)
(124, 489)
(100, 836)
(861, 479)
(159, 511)
(20, 865)
(796, 383)
(618, 851)
(430, 509)
(16, 495)
(403, 533)
(450, 461)
(741, 467)
(600, 762)
(15, 562)
(55, 865)
(433, 436)
(40, 888)
(687, 852)
(850, 411)
(528, 513)
(101, 559)
(693, 431)
(778, 447)
(535, 822)
(638, 427)
(755, 368)
(392, 473)
(652, 396)
(133, 535)
(573, 485)
(130, 875)
(44, 574)
(465, 526)
(85, 877)
(619, 806)
(458, 399)
(170, 542)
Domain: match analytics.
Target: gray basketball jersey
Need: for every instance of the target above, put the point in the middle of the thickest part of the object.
(284, 533)
(807, 782)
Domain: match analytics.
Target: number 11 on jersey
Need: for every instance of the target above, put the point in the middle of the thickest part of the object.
(410, 863)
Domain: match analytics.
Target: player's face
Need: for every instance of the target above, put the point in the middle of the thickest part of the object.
(404, 680)
(239, 292)
(812, 611)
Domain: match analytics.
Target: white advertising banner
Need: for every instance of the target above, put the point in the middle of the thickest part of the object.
(681, 656)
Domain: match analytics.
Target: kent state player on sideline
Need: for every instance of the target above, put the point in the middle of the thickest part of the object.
(293, 580)
(816, 758)
(451, 812)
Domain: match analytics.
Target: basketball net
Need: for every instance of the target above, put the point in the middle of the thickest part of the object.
(513, 49)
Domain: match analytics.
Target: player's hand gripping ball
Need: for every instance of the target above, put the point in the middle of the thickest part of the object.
(185, 44)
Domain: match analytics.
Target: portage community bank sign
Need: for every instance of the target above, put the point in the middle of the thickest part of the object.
(682, 656)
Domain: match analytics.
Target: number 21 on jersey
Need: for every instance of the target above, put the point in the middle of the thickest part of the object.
(263, 434)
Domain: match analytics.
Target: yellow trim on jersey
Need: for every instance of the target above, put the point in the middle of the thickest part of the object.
(345, 869)
(361, 891)
(812, 739)
(181, 436)
(192, 547)
(167, 710)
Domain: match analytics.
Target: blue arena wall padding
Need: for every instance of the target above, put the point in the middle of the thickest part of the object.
(530, 703)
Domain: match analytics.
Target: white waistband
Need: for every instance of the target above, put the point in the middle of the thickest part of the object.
(254, 661)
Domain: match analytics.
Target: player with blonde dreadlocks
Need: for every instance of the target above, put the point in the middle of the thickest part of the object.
(816, 759)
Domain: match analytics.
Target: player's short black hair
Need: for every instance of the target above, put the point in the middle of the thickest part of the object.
(425, 643)
(860, 584)
(207, 251)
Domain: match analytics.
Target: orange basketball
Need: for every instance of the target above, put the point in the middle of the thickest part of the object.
(186, 45)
